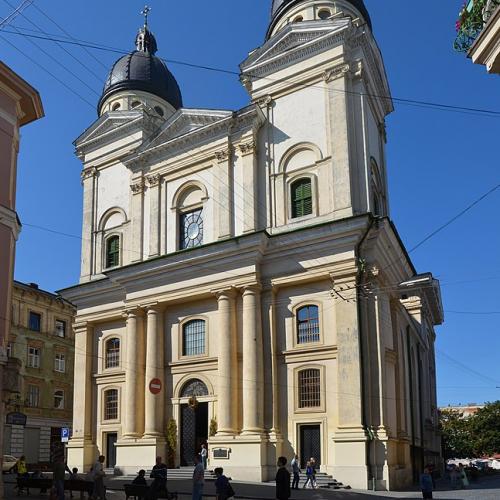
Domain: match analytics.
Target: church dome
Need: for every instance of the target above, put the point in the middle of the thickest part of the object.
(280, 6)
(141, 70)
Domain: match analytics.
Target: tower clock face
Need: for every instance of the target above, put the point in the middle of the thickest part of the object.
(191, 225)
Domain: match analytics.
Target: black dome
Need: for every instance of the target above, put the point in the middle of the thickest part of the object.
(142, 70)
(279, 7)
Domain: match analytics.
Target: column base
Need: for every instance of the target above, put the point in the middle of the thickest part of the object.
(134, 455)
(244, 457)
(82, 454)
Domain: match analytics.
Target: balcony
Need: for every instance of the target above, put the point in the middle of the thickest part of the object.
(474, 17)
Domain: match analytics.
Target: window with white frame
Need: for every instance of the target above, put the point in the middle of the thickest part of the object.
(112, 256)
(191, 229)
(309, 388)
(33, 357)
(111, 404)
(193, 338)
(33, 398)
(59, 399)
(60, 363)
(308, 324)
(112, 358)
(301, 198)
(60, 328)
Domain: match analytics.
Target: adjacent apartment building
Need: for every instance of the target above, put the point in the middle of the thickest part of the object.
(41, 340)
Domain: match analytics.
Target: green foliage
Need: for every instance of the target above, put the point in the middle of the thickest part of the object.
(474, 436)
(171, 441)
(213, 427)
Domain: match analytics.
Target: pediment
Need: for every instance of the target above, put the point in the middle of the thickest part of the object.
(107, 124)
(184, 122)
(294, 36)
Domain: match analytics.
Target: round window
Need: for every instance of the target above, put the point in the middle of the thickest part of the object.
(136, 104)
(298, 19)
(324, 14)
(116, 106)
(159, 110)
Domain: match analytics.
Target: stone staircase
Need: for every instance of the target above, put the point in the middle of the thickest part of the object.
(323, 480)
(179, 474)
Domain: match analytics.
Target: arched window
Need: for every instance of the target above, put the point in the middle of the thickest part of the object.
(191, 229)
(112, 353)
(194, 387)
(301, 198)
(324, 14)
(111, 404)
(116, 106)
(308, 324)
(112, 252)
(193, 338)
(298, 19)
(309, 388)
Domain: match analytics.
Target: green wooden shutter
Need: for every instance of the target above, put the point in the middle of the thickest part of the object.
(301, 198)
(113, 252)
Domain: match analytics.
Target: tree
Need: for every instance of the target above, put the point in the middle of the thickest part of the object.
(171, 442)
(474, 436)
(456, 434)
(485, 427)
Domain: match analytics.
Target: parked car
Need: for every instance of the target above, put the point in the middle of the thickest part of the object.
(8, 462)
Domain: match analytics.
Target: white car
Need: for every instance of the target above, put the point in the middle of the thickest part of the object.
(8, 462)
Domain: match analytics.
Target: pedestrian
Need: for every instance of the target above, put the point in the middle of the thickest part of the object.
(454, 477)
(198, 478)
(313, 466)
(204, 456)
(462, 475)
(223, 488)
(296, 472)
(73, 476)
(58, 474)
(309, 475)
(159, 476)
(426, 484)
(141, 478)
(283, 491)
(99, 491)
(21, 467)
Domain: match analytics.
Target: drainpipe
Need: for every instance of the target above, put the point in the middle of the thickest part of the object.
(361, 348)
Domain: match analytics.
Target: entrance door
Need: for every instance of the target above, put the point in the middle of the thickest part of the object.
(194, 431)
(310, 444)
(111, 438)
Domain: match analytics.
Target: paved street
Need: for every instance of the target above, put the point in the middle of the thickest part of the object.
(487, 489)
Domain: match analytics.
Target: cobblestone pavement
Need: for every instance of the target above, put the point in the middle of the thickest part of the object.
(487, 489)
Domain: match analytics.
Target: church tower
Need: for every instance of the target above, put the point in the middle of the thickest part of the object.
(320, 80)
(241, 282)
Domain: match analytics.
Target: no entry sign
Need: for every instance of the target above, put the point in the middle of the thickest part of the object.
(155, 386)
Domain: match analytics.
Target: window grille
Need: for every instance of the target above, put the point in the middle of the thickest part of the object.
(111, 404)
(194, 387)
(60, 328)
(309, 388)
(60, 363)
(33, 357)
(301, 198)
(33, 396)
(113, 252)
(308, 324)
(193, 341)
(35, 321)
(191, 229)
(59, 400)
(113, 353)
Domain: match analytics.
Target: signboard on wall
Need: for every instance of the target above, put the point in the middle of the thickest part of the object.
(65, 434)
(16, 418)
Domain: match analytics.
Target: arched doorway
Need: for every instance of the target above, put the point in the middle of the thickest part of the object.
(194, 420)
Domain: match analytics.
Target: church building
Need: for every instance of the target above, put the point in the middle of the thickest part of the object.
(240, 273)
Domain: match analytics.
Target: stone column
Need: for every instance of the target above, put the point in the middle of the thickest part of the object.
(224, 201)
(130, 406)
(154, 364)
(89, 182)
(253, 396)
(154, 214)
(137, 217)
(250, 197)
(226, 414)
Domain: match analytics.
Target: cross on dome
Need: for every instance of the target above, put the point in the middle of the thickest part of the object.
(145, 12)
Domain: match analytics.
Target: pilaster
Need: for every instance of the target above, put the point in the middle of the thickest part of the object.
(248, 153)
(224, 201)
(153, 182)
(89, 229)
(137, 217)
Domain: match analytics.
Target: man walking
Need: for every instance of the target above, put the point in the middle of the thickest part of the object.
(198, 478)
(59, 471)
(98, 471)
(296, 472)
(283, 491)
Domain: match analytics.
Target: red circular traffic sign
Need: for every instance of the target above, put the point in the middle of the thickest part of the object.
(155, 386)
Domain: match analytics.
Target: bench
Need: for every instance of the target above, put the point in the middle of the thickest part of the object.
(139, 491)
(27, 483)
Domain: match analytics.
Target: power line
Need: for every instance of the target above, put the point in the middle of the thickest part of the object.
(43, 68)
(17, 11)
(400, 100)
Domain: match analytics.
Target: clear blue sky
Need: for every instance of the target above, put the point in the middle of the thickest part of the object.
(439, 162)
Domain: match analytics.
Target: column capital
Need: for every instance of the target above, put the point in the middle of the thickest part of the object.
(251, 289)
(155, 308)
(224, 293)
(133, 312)
(153, 180)
(224, 155)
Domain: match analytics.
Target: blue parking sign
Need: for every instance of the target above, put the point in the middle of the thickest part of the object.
(64, 434)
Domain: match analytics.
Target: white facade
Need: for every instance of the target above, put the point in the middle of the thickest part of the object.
(317, 334)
